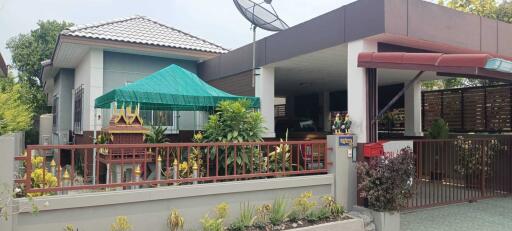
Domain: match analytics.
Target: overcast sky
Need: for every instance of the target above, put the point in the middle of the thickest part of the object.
(215, 20)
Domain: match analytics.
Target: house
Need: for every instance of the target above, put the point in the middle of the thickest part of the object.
(358, 59)
(3, 67)
(91, 60)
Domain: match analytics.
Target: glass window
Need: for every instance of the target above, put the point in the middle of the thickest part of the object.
(77, 114)
(159, 118)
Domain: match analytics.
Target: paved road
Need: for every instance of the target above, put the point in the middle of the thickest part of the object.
(488, 215)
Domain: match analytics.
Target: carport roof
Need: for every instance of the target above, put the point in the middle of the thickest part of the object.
(471, 65)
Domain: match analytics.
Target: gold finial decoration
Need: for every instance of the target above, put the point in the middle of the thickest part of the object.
(53, 164)
(66, 175)
(159, 158)
(195, 166)
(137, 170)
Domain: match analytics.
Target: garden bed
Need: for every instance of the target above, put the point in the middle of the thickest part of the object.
(304, 224)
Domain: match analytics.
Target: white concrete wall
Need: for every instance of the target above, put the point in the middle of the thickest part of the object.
(357, 88)
(150, 207)
(89, 72)
(413, 126)
(264, 88)
(11, 145)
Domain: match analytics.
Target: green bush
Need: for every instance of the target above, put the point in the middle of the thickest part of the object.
(438, 130)
(234, 121)
(386, 181)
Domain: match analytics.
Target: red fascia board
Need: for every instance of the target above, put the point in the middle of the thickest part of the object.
(433, 59)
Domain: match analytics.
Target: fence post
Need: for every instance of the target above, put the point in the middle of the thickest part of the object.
(175, 171)
(65, 181)
(341, 150)
(52, 168)
(137, 176)
(194, 171)
(158, 169)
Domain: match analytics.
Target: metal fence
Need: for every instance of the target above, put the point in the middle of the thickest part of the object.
(87, 168)
(460, 170)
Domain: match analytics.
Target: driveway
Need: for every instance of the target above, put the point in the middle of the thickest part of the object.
(488, 215)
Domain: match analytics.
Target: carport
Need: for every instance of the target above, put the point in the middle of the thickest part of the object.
(483, 66)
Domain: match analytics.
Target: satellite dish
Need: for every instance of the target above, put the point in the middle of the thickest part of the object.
(261, 17)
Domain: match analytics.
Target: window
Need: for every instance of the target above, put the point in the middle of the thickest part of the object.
(78, 110)
(55, 110)
(160, 118)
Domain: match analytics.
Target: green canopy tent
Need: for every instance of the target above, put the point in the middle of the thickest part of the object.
(172, 88)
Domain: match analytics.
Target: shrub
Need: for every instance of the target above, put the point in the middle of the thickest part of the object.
(263, 214)
(331, 206)
(69, 228)
(121, 224)
(476, 157)
(234, 121)
(317, 215)
(439, 129)
(278, 213)
(175, 221)
(386, 181)
(303, 205)
(215, 223)
(246, 219)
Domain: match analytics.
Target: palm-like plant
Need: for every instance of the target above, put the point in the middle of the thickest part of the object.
(156, 135)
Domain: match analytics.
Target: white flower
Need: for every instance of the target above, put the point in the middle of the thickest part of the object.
(46, 204)
(17, 190)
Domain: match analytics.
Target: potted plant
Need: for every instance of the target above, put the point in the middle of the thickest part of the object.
(438, 130)
(387, 184)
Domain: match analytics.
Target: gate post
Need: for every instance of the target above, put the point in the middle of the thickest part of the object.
(342, 154)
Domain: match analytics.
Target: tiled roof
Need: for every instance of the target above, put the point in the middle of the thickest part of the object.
(3, 67)
(142, 30)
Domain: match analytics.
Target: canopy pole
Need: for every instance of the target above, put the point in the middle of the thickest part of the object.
(94, 149)
(253, 55)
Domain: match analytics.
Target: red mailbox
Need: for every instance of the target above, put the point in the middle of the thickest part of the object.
(373, 149)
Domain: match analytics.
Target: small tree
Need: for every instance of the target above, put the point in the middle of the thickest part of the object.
(234, 121)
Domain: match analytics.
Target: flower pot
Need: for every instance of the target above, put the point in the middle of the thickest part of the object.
(386, 221)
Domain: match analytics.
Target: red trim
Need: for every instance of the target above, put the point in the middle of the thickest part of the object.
(463, 64)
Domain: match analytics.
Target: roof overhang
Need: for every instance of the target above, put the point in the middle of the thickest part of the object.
(466, 65)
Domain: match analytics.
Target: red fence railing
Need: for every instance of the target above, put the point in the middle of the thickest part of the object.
(458, 170)
(57, 169)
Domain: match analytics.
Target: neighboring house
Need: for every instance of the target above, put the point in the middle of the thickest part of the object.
(3, 67)
(91, 60)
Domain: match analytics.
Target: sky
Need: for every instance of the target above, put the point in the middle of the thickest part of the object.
(217, 21)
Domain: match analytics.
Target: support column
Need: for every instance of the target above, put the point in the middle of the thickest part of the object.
(357, 101)
(325, 111)
(264, 89)
(413, 126)
(343, 168)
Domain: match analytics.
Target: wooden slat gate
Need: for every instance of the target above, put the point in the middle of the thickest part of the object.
(476, 109)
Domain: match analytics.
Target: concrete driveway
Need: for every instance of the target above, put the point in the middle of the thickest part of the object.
(489, 215)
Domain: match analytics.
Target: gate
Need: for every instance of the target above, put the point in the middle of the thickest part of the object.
(461, 170)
